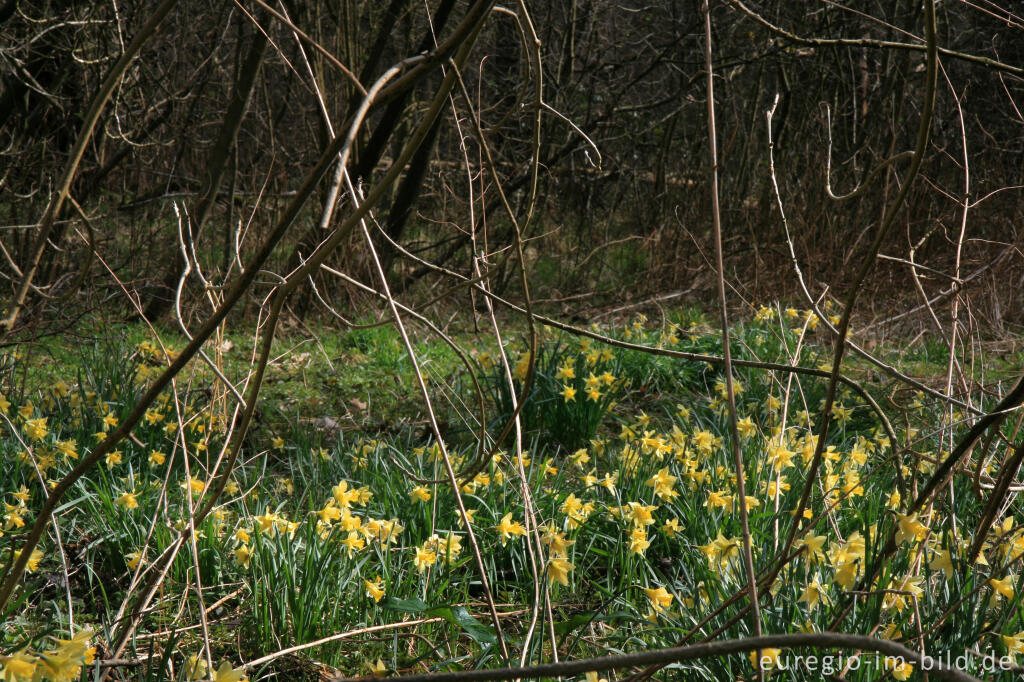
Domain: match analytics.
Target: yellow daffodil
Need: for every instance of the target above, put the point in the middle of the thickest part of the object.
(242, 555)
(664, 484)
(659, 597)
(901, 670)
(132, 560)
(555, 541)
(268, 522)
(671, 528)
(1003, 587)
(353, 542)
(812, 595)
(33, 559)
(941, 561)
(521, 367)
(572, 505)
(375, 588)
(909, 528)
(638, 542)
(19, 666)
(15, 516)
(225, 673)
(639, 514)
(812, 547)
(449, 548)
(780, 456)
(344, 496)
(565, 371)
(127, 500)
(558, 570)
(718, 498)
(349, 522)
(113, 458)
(768, 659)
(424, 558)
(580, 458)
(1014, 643)
(329, 513)
(35, 429)
(68, 448)
(508, 528)
(746, 427)
(469, 515)
(195, 485)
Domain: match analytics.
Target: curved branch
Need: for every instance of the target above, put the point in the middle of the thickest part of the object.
(698, 651)
(879, 44)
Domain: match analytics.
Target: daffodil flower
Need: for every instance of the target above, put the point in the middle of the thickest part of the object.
(508, 528)
(558, 571)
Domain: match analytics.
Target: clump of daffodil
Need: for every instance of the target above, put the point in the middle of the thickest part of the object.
(847, 559)
(65, 660)
(903, 593)
(576, 510)
(721, 552)
(447, 548)
(382, 531)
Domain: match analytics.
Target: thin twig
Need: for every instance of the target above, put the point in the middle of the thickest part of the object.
(737, 456)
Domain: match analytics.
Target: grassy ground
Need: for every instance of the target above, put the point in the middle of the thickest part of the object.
(331, 525)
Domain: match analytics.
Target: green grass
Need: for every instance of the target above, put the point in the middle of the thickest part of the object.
(288, 552)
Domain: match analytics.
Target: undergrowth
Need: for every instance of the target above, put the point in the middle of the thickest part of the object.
(325, 530)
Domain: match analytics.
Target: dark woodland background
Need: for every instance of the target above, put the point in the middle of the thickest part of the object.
(631, 226)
